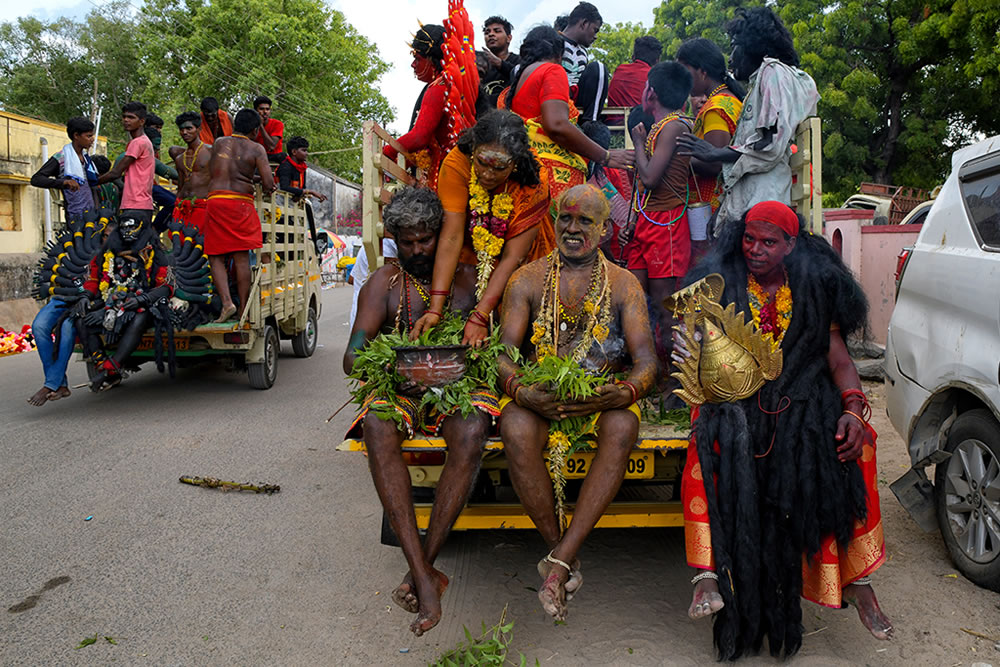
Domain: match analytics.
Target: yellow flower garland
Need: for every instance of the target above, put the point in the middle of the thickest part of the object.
(758, 298)
(487, 245)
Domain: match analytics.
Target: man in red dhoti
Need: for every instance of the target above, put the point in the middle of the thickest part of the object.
(779, 486)
(193, 173)
(232, 226)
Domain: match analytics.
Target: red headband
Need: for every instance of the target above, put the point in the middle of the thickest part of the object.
(775, 213)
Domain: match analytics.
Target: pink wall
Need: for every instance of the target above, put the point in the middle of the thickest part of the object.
(870, 252)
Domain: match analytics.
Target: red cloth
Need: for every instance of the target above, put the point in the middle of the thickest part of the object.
(275, 128)
(299, 182)
(191, 212)
(663, 251)
(431, 126)
(777, 214)
(205, 134)
(232, 224)
(627, 83)
(548, 82)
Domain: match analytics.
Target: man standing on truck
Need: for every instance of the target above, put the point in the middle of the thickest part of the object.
(192, 171)
(137, 166)
(392, 300)
(756, 163)
(596, 331)
(233, 226)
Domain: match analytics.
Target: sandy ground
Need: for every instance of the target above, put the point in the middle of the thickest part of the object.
(180, 575)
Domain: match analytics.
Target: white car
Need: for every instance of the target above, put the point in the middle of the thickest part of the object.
(942, 362)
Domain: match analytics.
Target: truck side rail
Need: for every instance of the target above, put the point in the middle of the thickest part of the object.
(807, 173)
(381, 177)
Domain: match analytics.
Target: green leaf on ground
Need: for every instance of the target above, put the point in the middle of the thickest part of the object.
(87, 642)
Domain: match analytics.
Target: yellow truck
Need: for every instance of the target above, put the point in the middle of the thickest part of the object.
(284, 303)
(650, 494)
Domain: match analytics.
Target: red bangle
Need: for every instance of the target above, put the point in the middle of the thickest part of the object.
(440, 292)
(481, 319)
(507, 385)
(631, 388)
(866, 409)
(432, 312)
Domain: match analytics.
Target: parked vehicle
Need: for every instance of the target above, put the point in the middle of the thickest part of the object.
(943, 377)
(890, 203)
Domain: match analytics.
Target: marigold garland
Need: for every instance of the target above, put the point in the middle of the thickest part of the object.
(771, 315)
(488, 225)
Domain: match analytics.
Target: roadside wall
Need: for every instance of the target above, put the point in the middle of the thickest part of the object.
(870, 252)
(22, 207)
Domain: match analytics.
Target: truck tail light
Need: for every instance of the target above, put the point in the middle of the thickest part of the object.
(424, 458)
(901, 259)
(236, 338)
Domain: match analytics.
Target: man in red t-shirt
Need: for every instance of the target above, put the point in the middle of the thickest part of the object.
(271, 130)
(629, 79)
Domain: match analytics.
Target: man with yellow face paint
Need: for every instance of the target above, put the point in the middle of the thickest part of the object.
(574, 302)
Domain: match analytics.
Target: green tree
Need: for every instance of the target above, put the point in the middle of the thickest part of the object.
(319, 71)
(903, 83)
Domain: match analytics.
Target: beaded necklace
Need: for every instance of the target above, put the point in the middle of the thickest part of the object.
(405, 300)
(190, 167)
(717, 91)
(551, 318)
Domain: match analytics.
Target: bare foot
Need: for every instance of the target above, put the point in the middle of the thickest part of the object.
(61, 392)
(552, 594)
(706, 600)
(39, 398)
(429, 593)
(863, 598)
(405, 595)
(227, 314)
(574, 582)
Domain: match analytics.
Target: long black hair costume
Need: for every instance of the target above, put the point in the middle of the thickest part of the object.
(779, 487)
(99, 275)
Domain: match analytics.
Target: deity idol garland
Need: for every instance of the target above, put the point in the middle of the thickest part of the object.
(564, 376)
(488, 226)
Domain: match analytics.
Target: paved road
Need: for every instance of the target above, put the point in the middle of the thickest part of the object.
(180, 575)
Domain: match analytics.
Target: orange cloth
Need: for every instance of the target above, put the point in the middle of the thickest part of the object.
(825, 575)
(232, 224)
(205, 134)
(531, 205)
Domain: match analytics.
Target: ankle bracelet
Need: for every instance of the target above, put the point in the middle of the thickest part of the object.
(863, 581)
(707, 574)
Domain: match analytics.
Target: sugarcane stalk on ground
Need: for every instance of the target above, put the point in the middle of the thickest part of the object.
(213, 483)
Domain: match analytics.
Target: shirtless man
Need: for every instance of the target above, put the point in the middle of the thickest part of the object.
(233, 226)
(192, 171)
(414, 218)
(585, 278)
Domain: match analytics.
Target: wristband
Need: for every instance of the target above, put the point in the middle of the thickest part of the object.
(479, 318)
(440, 292)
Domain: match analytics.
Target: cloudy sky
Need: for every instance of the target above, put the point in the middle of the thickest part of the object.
(390, 24)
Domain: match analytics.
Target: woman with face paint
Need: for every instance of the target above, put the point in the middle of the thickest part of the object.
(428, 133)
(496, 203)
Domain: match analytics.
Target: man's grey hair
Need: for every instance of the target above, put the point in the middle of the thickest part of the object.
(413, 208)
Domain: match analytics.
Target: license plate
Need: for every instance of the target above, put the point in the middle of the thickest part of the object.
(639, 465)
(147, 344)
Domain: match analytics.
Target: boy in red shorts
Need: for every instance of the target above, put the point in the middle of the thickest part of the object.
(660, 250)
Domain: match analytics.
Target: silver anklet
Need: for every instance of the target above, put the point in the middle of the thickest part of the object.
(863, 581)
(707, 574)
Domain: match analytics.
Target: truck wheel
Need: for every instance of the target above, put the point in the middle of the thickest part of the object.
(967, 489)
(304, 343)
(263, 375)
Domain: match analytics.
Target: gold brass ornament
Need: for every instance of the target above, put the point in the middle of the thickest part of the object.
(731, 360)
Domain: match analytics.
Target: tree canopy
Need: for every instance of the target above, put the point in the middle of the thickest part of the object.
(903, 83)
(319, 72)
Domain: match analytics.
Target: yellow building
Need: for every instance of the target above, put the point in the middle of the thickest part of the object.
(29, 142)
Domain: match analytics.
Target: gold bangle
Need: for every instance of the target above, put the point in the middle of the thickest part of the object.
(856, 416)
(516, 401)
